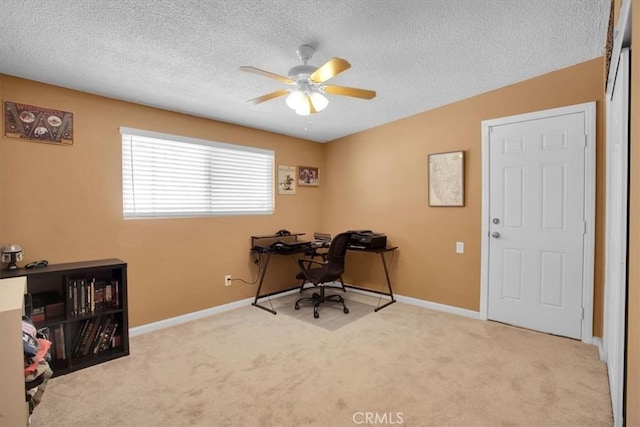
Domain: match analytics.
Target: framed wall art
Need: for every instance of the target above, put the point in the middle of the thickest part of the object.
(31, 123)
(446, 179)
(309, 176)
(286, 179)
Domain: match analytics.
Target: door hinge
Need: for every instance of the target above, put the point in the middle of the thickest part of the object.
(582, 313)
(584, 227)
(585, 141)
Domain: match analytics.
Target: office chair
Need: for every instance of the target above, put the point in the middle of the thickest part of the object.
(321, 241)
(328, 270)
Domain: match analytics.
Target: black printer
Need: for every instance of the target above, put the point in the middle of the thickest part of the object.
(367, 239)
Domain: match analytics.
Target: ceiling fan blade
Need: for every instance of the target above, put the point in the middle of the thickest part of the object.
(312, 108)
(349, 91)
(268, 96)
(331, 68)
(264, 73)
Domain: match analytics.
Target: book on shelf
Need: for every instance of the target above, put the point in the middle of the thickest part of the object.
(116, 339)
(76, 309)
(99, 295)
(102, 333)
(82, 337)
(108, 294)
(96, 339)
(60, 348)
(116, 295)
(91, 299)
(107, 341)
(95, 324)
(82, 297)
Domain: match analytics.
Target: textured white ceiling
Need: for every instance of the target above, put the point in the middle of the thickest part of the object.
(185, 55)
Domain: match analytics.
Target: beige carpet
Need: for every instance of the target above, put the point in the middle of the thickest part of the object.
(403, 365)
(331, 317)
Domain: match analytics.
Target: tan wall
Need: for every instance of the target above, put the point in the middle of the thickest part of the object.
(617, 4)
(64, 204)
(633, 310)
(377, 180)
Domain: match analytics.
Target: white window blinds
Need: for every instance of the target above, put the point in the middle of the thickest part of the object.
(172, 176)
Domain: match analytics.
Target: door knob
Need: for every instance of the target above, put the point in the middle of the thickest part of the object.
(495, 235)
(496, 220)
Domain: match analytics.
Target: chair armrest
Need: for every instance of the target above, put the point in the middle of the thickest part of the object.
(309, 262)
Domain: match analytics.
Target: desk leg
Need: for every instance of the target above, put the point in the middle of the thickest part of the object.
(386, 274)
(255, 301)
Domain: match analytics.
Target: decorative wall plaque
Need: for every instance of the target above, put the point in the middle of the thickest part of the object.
(39, 124)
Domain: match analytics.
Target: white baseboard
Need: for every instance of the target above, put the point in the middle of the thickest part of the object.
(166, 323)
(597, 341)
(440, 307)
(237, 304)
(424, 304)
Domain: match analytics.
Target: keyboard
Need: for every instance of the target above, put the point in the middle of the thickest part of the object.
(287, 247)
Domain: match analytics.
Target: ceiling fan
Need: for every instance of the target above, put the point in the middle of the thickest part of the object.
(308, 84)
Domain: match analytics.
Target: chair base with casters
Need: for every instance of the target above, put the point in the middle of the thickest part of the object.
(303, 281)
(321, 298)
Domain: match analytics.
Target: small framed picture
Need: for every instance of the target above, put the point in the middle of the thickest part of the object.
(446, 179)
(286, 179)
(309, 176)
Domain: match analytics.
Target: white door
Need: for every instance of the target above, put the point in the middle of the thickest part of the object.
(616, 233)
(537, 223)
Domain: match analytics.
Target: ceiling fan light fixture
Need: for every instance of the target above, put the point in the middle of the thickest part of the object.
(319, 101)
(296, 99)
(305, 106)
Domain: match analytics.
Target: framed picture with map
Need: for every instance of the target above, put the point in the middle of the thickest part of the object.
(446, 179)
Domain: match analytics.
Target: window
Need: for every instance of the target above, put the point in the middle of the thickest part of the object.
(172, 176)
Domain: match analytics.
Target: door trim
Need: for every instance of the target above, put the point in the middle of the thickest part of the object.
(589, 111)
(614, 319)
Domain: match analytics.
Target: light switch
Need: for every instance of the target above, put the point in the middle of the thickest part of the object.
(459, 247)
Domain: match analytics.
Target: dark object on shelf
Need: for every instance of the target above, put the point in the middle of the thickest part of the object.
(283, 232)
(12, 254)
(37, 264)
(326, 271)
(367, 239)
(54, 310)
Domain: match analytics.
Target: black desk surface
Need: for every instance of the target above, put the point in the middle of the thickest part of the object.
(376, 251)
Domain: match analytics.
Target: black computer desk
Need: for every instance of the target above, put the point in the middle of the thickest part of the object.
(266, 252)
(382, 252)
(298, 251)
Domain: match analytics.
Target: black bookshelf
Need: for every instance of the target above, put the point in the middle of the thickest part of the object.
(75, 295)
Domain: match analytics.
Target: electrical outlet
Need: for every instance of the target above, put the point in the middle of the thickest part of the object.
(459, 247)
(227, 280)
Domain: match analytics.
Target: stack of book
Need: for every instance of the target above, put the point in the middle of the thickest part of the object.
(95, 335)
(86, 296)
